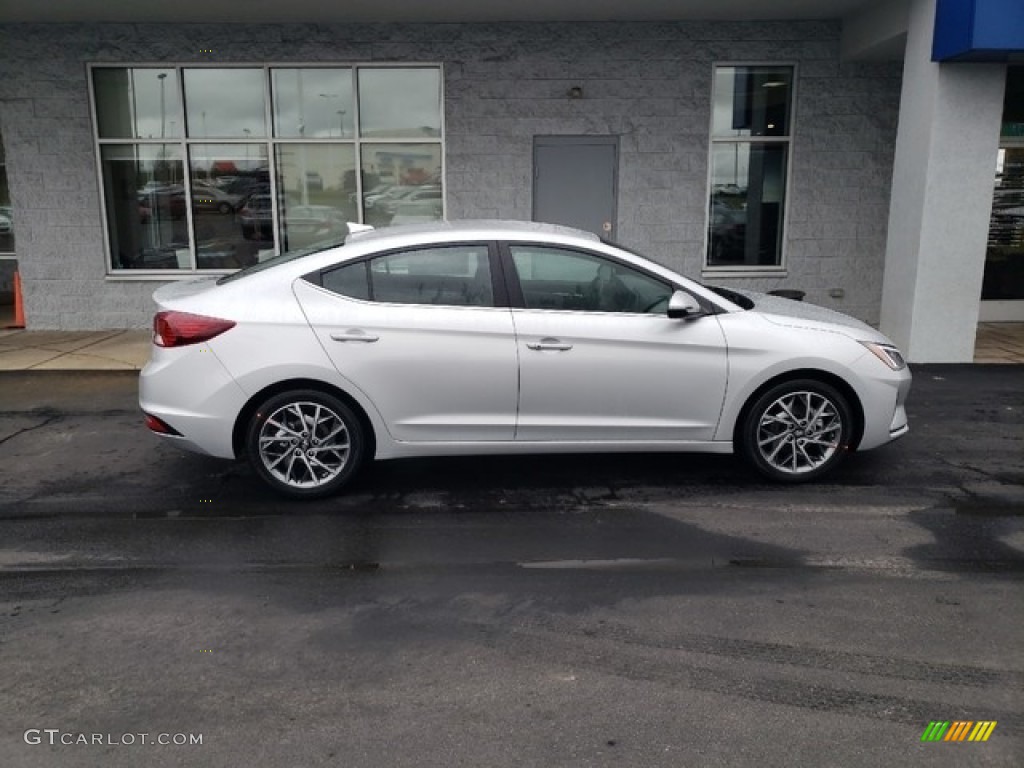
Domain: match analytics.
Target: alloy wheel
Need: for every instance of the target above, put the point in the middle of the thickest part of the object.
(304, 444)
(799, 432)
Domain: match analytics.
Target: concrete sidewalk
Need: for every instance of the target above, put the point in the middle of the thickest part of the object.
(22, 350)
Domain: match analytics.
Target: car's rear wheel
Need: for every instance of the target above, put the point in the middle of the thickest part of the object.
(797, 430)
(305, 443)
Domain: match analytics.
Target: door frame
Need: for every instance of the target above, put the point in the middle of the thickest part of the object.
(549, 140)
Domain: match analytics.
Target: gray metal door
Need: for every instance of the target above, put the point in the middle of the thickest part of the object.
(575, 181)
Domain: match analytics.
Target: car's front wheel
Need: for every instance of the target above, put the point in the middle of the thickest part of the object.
(305, 443)
(797, 430)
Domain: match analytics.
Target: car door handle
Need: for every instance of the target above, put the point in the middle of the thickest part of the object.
(354, 334)
(549, 344)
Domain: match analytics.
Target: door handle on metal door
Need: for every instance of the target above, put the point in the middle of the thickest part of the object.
(354, 334)
(550, 344)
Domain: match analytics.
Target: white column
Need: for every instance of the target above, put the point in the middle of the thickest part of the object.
(942, 185)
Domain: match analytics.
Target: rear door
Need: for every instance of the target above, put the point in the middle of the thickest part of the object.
(420, 332)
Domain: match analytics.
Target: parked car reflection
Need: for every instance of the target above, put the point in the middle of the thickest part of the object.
(306, 224)
(256, 217)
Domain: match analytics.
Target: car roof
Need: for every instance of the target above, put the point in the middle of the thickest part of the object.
(496, 229)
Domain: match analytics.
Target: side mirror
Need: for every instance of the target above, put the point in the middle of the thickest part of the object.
(682, 305)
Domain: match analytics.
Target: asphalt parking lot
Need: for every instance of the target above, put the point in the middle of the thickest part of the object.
(612, 610)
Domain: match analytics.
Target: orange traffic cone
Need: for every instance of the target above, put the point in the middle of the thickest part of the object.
(19, 304)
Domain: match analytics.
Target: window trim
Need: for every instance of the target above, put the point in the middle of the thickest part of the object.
(718, 272)
(271, 141)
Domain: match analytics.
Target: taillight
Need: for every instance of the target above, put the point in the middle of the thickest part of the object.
(178, 329)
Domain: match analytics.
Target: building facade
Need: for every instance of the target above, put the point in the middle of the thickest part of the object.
(773, 154)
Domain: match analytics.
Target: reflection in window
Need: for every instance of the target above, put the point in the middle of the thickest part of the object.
(748, 184)
(455, 276)
(225, 103)
(749, 161)
(352, 280)
(1004, 257)
(458, 276)
(218, 189)
(144, 192)
(401, 183)
(6, 210)
(137, 103)
(313, 103)
(317, 192)
(569, 280)
(752, 101)
(223, 176)
(399, 102)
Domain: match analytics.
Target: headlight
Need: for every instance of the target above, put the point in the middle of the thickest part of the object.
(887, 353)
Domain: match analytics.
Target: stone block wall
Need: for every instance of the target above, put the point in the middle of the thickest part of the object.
(647, 83)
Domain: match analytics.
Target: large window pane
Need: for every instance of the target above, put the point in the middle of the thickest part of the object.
(217, 199)
(313, 103)
(747, 199)
(144, 193)
(399, 103)
(225, 103)
(137, 103)
(165, 131)
(752, 101)
(401, 183)
(316, 184)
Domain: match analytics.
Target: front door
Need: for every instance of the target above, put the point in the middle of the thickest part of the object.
(574, 182)
(600, 360)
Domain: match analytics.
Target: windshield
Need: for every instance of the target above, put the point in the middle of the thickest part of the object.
(282, 258)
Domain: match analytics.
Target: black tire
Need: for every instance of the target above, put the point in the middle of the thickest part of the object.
(797, 431)
(225, 208)
(297, 461)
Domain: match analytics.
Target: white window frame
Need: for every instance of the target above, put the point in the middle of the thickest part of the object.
(269, 140)
(740, 270)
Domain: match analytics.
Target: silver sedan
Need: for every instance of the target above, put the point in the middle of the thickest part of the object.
(498, 338)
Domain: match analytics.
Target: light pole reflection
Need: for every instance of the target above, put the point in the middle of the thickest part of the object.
(163, 110)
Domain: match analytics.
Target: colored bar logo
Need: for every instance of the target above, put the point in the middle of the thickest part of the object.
(958, 730)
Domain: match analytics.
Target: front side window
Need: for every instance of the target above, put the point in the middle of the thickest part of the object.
(750, 148)
(557, 279)
(218, 168)
(458, 276)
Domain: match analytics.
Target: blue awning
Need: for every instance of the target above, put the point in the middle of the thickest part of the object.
(978, 30)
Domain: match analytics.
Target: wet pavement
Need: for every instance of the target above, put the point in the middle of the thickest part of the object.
(611, 610)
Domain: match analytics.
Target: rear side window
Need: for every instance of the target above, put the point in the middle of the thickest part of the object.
(352, 281)
(458, 276)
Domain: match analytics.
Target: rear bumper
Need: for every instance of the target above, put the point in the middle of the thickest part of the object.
(192, 391)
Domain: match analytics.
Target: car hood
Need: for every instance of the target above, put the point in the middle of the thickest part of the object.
(799, 314)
